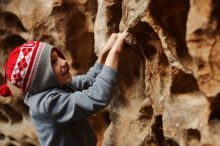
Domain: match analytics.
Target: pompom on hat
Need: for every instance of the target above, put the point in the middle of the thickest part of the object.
(29, 68)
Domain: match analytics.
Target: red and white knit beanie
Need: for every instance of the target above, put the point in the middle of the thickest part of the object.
(29, 68)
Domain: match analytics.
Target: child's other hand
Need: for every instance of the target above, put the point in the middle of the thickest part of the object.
(119, 43)
(110, 43)
(114, 54)
(107, 48)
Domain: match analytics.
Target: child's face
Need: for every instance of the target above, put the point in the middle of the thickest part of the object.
(60, 68)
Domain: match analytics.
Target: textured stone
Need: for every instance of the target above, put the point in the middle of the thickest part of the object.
(203, 43)
(168, 91)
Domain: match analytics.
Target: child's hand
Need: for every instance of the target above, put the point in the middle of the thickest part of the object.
(110, 43)
(119, 43)
(107, 48)
(114, 54)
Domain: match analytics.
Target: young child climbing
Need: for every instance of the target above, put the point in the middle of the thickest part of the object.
(58, 103)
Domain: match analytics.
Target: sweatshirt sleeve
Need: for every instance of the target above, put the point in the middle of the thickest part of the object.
(81, 82)
(64, 107)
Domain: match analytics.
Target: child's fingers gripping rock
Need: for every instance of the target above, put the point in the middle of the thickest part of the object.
(107, 48)
(119, 44)
(111, 41)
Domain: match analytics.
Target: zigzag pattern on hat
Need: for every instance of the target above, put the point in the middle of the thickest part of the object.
(24, 63)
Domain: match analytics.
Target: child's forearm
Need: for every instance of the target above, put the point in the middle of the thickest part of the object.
(102, 58)
(113, 60)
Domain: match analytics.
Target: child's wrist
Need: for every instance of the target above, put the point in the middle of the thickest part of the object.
(101, 59)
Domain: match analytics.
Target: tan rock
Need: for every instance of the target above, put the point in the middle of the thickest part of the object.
(168, 92)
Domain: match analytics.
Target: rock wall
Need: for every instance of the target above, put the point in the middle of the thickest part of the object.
(168, 93)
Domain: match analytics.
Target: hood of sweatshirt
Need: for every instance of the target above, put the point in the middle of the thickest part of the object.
(44, 77)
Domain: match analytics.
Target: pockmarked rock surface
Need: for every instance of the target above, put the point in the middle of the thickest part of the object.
(169, 85)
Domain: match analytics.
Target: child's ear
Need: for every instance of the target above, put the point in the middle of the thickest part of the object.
(15, 91)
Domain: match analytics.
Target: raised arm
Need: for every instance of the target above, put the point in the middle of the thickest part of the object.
(82, 82)
(65, 107)
(114, 54)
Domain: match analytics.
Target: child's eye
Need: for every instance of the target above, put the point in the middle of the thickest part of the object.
(54, 61)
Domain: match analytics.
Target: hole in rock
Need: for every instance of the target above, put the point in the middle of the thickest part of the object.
(100, 123)
(10, 20)
(143, 31)
(157, 129)
(150, 142)
(75, 31)
(216, 12)
(183, 83)
(22, 107)
(63, 8)
(30, 144)
(76, 65)
(27, 144)
(3, 118)
(198, 31)
(172, 17)
(149, 51)
(171, 142)
(11, 144)
(214, 117)
(145, 34)
(106, 115)
(73, 27)
(2, 136)
(15, 116)
(82, 47)
(115, 13)
(146, 113)
(193, 137)
(5, 2)
(2, 32)
(193, 134)
(11, 138)
(131, 68)
(215, 110)
(11, 42)
(163, 61)
(201, 63)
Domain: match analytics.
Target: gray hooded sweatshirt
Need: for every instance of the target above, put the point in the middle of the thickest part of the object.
(60, 115)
